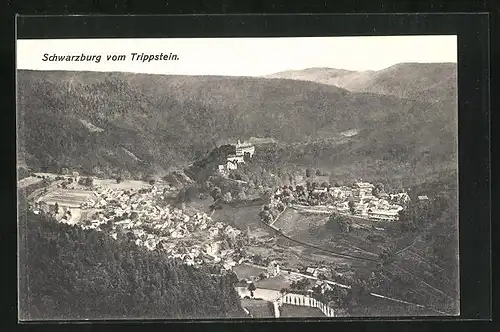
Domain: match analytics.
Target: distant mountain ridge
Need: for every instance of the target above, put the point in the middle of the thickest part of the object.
(429, 82)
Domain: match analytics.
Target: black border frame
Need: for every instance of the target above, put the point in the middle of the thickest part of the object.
(473, 86)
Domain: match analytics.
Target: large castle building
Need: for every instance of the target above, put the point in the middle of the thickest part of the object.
(239, 157)
(245, 147)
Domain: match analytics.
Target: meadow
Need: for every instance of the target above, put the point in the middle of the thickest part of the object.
(288, 310)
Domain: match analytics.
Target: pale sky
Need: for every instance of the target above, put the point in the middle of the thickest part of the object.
(239, 56)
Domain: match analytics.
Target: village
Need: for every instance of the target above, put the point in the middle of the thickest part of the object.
(142, 212)
(362, 200)
(188, 235)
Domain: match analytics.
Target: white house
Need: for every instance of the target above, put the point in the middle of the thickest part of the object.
(312, 271)
(273, 269)
(400, 197)
(389, 215)
(232, 164)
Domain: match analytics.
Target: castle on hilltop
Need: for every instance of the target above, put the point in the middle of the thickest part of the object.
(245, 147)
(233, 160)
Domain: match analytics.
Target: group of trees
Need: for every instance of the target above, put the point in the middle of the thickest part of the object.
(378, 189)
(68, 273)
(419, 214)
(86, 181)
(309, 173)
(335, 220)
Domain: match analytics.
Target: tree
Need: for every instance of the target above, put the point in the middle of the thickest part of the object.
(351, 206)
(333, 221)
(344, 224)
(216, 193)
(407, 219)
(386, 256)
(251, 288)
(257, 259)
(378, 189)
(281, 207)
(228, 197)
(265, 215)
(86, 181)
(242, 196)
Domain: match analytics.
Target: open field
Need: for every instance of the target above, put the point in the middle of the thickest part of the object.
(200, 204)
(310, 228)
(259, 294)
(244, 271)
(124, 185)
(276, 283)
(257, 308)
(291, 311)
(242, 217)
(292, 222)
(68, 197)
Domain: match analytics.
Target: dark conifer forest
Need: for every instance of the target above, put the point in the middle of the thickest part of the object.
(71, 273)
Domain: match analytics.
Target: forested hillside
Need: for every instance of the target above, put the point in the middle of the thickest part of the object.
(139, 124)
(70, 273)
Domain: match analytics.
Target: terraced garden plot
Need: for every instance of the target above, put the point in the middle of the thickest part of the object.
(411, 277)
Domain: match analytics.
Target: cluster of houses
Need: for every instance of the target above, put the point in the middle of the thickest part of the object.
(359, 200)
(159, 226)
(233, 160)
